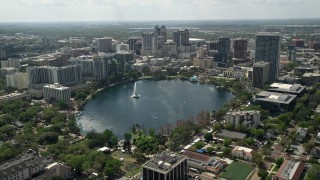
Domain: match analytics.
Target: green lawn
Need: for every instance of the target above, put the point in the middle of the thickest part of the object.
(237, 171)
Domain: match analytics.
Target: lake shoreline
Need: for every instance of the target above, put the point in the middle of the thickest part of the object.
(91, 120)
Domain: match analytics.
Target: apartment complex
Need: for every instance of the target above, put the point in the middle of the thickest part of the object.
(18, 80)
(248, 119)
(56, 92)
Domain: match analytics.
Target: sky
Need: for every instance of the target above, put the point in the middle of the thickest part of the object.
(140, 10)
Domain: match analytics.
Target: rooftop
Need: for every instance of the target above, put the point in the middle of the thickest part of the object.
(231, 134)
(243, 112)
(274, 97)
(56, 86)
(241, 148)
(290, 88)
(290, 169)
(202, 158)
(164, 162)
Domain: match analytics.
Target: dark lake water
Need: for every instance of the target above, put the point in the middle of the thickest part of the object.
(161, 102)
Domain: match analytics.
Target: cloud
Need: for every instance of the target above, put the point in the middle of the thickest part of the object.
(117, 10)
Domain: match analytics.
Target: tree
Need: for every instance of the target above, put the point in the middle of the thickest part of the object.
(249, 141)
(262, 173)
(7, 131)
(258, 133)
(257, 158)
(308, 146)
(199, 145)
(62, 105)
(217, 126)
(151, 132)
(180, 136)
(210, 149)
(48, 138)
(227, 142)
(208, 137)
(279, 161)
(139, 157)
(226, 151)
(127, 143)
(313, 172)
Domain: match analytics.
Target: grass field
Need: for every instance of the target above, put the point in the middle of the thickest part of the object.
(237, 171)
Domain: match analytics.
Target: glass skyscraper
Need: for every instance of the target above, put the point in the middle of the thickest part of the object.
(268, 50)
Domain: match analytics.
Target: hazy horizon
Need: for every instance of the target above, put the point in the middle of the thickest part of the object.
(155, 10)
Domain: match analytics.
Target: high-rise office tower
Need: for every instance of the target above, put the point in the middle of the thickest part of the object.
(132, 43)
(240, 48)
(161, 31)
(149, 42)
(166, 166)
(268, 50)
(291, 53)
(105, 44)
(223, 56)
(260, 74)
(48, 42)
(181, 37)
(212, 45)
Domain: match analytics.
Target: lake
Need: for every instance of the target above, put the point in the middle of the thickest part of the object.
(161, 102)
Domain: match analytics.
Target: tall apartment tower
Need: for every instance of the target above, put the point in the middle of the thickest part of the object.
(260, 74)
(56, 92)
(181, 37)
(105, 44)
(240, 47)
(268, 50)
(67, 76)
(291, 51)
(15, 63)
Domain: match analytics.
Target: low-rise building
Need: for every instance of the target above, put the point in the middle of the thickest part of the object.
(242, 153)
(287, 88)
(198, 160)
(56, 92)
(13, 96)
(26, 166)
(231, 134)
(310, 78)
(290, 170)
(248, 119)
(56, 170)
(301, 134)
(275, 101)
(166, 166)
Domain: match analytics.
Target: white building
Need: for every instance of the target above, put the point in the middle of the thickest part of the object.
(15, 63)
(242, 153)
(56, 92)
(122, 47)
(68, 75)
(18, 80)
(248, 119)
